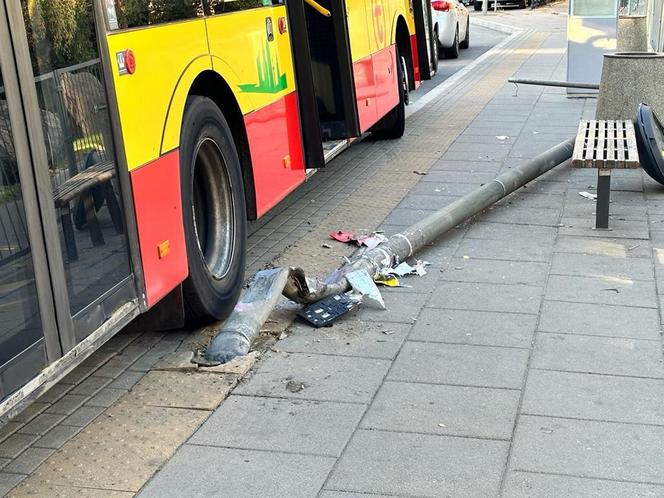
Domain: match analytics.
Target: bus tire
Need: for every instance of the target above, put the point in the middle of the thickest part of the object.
(393, 124)
(214, 212)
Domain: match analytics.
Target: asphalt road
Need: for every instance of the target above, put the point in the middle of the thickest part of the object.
(481, 40)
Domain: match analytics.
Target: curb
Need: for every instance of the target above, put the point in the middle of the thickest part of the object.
(496, 26)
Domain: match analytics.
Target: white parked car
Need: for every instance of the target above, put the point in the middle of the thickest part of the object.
(451, 25)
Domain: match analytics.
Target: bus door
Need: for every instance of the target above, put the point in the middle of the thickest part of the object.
(425, 38)
(78, 188)
(323, 68)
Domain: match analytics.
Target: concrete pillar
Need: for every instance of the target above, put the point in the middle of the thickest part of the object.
(632, 34)
(629, 78)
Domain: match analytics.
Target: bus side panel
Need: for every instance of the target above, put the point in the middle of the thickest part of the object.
(160, 225)
(162, 55)
(385, 77)
(365, 92)
(256, 44)
(275, 144)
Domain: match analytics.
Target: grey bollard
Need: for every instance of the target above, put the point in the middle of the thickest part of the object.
(632, 34)
(629, 78)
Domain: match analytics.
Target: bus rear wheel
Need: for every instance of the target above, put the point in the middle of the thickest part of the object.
(214, 212)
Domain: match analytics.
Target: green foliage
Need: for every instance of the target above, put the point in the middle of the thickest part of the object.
(61, 32)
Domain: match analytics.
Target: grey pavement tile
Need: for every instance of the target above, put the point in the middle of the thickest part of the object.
(614, 248)
(83, 416)
(9, 428)
(460, 364)
(525, 250)
(443, 189)
(600, 320)
(421, 465)
(90, 386)
(602, 290)
(114, 367)
(9, 481)
(31, 411)
(618, 229)
(585, 448)
(534, 485)
(487, 297)
(106, 397)
(348, 336)
(617, 211)
(468, 176)
(522, 216)
(349, 494)
(294, 426)
(596, 397)
(28, 461)
(402, 307)
(504, 231)
(496, 271)
(238, 473)
(325, 378)
(542, 186)
(4, 461)
(57, 436)
(15, 444)
(426, 201)
(450, 410)
(522, 201)
(78, 374)
(474, 327)
(41, 424)
(54, 393)
(406, 216)
(465, 166)
(67, 404)
(127, 380)
(489, 155)
(602, 355)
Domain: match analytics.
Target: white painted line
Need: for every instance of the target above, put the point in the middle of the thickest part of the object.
(496, 26)
(453, 80)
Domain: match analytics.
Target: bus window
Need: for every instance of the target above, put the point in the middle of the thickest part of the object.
(123, 14)
(79, 148)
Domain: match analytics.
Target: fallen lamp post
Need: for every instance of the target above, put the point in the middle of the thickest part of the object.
(238, 332)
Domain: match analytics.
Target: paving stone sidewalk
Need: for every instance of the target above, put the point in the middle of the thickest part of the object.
(527, 362)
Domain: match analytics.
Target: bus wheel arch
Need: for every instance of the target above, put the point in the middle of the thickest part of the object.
(211, 85)
(402, 41)
(214, 211)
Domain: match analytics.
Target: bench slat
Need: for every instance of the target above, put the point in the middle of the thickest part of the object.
(605, 144)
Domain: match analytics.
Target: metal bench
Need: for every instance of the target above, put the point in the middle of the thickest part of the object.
(80, 186)
(605, 145)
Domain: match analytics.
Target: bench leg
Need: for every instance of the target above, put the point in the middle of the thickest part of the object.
(68, 232)
(603, 197)
(113, 206)
(91, 219)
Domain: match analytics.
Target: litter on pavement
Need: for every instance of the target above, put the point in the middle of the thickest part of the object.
(370, 241)
(588, 195)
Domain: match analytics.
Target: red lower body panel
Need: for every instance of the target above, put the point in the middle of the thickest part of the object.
(158, 204)
(416, 60)
(275, 144)
(376, 87)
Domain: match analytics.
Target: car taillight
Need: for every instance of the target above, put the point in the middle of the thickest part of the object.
(440, 5)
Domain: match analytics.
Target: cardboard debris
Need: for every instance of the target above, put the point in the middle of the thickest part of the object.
(405, 269)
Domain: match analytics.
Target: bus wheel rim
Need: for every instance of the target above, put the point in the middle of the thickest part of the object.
(212, 208)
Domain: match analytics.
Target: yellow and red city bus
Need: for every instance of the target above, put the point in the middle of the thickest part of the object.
(138, 137)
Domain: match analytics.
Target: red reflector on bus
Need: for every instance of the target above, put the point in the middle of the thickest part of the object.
(130, 61)
(440, 5)
(282, 25)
